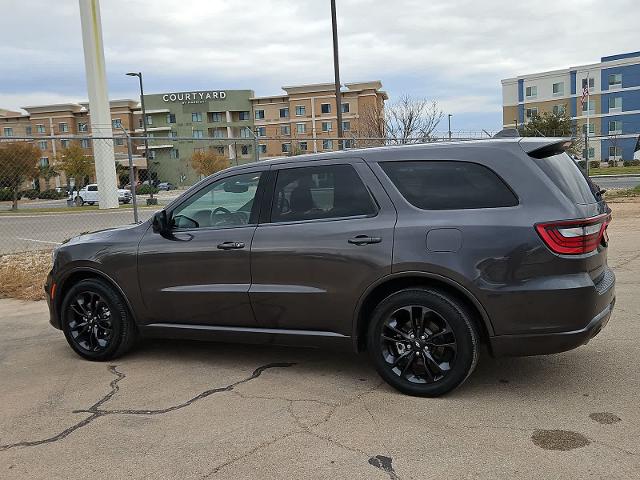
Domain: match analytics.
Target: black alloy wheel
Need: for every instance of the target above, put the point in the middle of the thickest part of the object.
(89, 319)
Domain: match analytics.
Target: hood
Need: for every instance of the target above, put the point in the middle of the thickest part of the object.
(104, 235)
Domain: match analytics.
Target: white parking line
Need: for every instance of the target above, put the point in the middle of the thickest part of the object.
(39, 241)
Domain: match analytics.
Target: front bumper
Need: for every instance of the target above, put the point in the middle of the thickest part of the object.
(53, 316)
(546, 343)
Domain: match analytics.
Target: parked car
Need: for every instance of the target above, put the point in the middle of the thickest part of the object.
(417, 254)
(89, 194)
(166, 186)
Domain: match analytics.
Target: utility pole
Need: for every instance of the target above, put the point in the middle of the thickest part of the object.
(95, 70)
(336, 71)
(449, 115)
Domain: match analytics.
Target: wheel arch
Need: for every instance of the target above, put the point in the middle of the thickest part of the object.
(395, 282)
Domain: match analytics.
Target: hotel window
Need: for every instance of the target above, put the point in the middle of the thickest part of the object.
(558, 89)
(591, 152)
(259, 114)
(42, 144)
(592, 128)
(84, 143)
(149, 120)
(40, 128)
(245, 133)
(300, 110)
(243, 115)
(219, 133)
(171, 118)
(301, 128)
(327, 144)
(198, 150)
(44, 162)
(325, 107)
(615, 152)
(198, 134)
(152, 154)
(326, 126)
(284, 112)
(615, 103)
(63, 127)
(531, 112)
(286, 147)
(215, 117)
(532, 91)
(8, 132)
(285, 130)
(558, 109)
(115, 123)
(262, 131)
(173, 134)
(82, 127)
(220, 150)
(119, 141)
(348, 143)
(196, 117)
(244, 150)
(591, 83)
(28, 130)
(262, 148)
(615, 80)
(615, 127)
(345, 108)
(346, 126)
(303, 146)
(64, 143)
(589, 106)
(174, 154)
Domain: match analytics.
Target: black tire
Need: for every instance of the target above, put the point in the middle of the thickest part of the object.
(440, 358)
(79, 201)
(91, 203)
(116, 330)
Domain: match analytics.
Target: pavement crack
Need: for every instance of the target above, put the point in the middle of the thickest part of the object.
(96, 412)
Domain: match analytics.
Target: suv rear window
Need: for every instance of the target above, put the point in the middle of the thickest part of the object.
(446, 185)
(568, 177)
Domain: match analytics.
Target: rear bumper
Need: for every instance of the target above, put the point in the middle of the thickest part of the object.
(546, 343)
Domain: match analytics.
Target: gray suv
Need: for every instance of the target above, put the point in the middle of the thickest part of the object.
(417, 254)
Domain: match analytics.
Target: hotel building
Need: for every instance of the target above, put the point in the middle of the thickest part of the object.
(613, 109)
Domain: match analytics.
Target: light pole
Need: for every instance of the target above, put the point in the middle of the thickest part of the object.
(336, 72)
(449, 118)
(144, 128)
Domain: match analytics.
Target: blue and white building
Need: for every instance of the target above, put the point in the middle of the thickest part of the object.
(611, 116)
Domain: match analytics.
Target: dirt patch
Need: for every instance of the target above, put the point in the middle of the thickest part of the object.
(605, 418)
(562, 440)
(22, 275)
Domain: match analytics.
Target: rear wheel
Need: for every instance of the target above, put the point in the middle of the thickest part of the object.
(422, 342)
(96, 321)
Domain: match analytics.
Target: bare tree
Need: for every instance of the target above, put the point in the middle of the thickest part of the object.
(407, 120)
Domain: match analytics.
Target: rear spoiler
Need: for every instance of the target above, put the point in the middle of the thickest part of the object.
(542, 147)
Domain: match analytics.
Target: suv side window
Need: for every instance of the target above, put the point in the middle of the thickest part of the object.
(310, 193)
(92, 188)
(226, 203)
(446, 185)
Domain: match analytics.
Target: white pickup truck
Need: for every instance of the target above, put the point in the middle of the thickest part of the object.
(89, 194)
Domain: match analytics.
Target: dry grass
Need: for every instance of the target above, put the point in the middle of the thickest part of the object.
(22, 275)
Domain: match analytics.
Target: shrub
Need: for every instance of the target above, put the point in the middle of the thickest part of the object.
(31, 194)
(635, 163)
(612, 163)
(146, 190)
(6, 195)
(51, 194)
(594, 164)
(582, 164)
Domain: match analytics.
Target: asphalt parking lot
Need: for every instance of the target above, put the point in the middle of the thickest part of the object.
(193, 410)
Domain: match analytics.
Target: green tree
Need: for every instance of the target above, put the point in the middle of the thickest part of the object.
(122, 173)
(551, 124)
(47, 172)
(18, 163)
(75, 164)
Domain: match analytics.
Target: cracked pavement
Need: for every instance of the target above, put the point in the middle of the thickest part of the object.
(195, 410)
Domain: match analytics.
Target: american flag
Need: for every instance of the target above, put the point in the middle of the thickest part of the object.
(585, 93)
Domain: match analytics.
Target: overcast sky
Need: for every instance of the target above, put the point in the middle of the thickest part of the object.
(453, 51)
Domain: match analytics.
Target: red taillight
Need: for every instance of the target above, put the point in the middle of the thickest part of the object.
(573, 237)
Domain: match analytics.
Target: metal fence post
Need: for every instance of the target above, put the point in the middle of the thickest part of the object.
(132, 179)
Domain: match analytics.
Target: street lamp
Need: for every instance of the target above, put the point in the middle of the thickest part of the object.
(144, 128)
(449, 118)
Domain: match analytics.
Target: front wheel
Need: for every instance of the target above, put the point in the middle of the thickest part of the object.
(79, 201)
(96, 321)
(422, 342)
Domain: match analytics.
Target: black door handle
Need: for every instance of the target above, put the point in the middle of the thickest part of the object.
(364, 240)
(230, 245)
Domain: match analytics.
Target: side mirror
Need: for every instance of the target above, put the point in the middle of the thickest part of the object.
(160, 222)
(236, 187)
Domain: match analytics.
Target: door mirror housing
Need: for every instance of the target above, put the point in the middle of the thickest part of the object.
(160, 222)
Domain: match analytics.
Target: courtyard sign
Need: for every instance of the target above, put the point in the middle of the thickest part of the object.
(194, 97)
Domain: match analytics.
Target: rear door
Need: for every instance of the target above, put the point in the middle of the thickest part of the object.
(327, 237)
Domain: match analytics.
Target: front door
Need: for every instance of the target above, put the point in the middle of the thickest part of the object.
(329, 237)
(199, 273)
